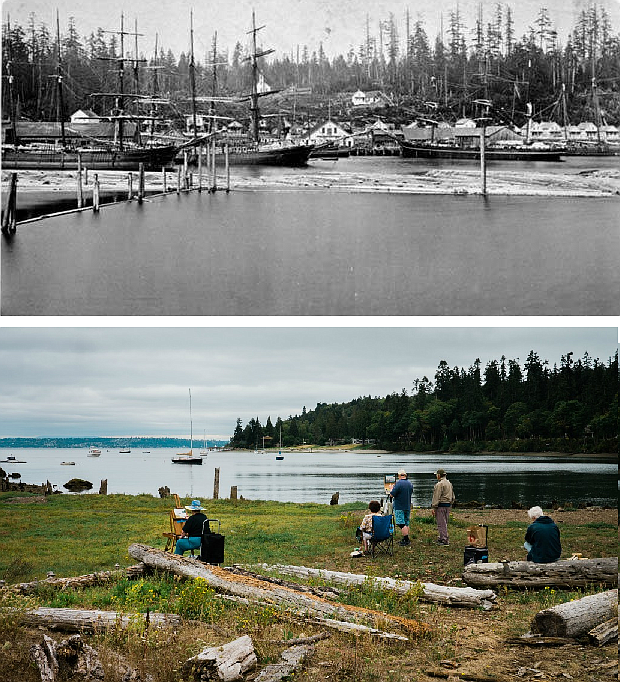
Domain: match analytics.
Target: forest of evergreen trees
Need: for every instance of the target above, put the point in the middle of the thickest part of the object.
(481, 59)
(572, 407)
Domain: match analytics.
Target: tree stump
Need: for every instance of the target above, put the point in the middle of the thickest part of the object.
(576, 618)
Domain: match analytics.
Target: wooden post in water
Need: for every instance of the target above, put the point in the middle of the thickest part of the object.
(185, 163)
(216, 484)
(80, 195)
(129, 186)
(483, 164)
(96, 194)
(233, 492)
(141, 183)
(200, 168)
(9, 222)
(227, 161)
(214, 183)
(163, 175)
(103, 488)
(179, 180)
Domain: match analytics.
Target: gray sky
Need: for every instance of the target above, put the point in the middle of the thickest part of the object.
(338, 25)
(134, 381)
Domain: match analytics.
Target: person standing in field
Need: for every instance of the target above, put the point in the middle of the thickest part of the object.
(443, 499)
(401, 494)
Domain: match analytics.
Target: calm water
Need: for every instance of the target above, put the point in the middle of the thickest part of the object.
(301, 252)
(313, 477)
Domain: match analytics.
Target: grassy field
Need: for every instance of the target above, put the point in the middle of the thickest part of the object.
(78, 534)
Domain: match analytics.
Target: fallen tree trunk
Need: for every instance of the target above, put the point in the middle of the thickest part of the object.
(451, 596)
(76, 620)
(565, 574)
(253, 589)
(74, 582)
(576, 618)
(71, 658)
(227, 663)
(604, 633)
(292, 660)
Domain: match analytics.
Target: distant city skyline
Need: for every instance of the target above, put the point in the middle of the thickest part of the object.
(338, 27)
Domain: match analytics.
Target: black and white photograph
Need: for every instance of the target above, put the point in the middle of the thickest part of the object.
(310, 158)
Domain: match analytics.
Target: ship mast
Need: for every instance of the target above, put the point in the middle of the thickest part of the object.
(60, 108)
(11, 80)
(254, 95)
(192, 71)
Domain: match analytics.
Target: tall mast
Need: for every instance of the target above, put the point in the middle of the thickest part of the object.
(60, 110)
(212, 126)
(191, 429)
(136, 71)
(192, 74)
(254, 94)
(11, 79)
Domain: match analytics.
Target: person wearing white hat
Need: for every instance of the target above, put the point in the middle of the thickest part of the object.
(443, 499)
(192, 529)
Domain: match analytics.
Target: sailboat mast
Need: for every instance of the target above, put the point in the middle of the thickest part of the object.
(191, 428)
(11, 79)
(192, 74)
(60, 104)
(254, 94)
(212, 126)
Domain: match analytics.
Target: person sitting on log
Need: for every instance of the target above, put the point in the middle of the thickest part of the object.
(542, 538)
(366, 525)
(192, 529)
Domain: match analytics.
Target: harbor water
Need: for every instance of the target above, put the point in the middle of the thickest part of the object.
(315, 476)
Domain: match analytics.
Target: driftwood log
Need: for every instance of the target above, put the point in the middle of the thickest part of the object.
(604, 633)
(75, 620)
(255, 590)
(576, 618)
(564, 574)
(292, 660)
(227, 662)
(71, 658)
(451, 596)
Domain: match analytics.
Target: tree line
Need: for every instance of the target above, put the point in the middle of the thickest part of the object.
(504, 406)
(483, 60)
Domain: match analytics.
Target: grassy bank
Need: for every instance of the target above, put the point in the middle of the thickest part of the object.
(78, 534)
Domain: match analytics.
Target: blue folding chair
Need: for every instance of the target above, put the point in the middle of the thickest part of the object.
(382, 537)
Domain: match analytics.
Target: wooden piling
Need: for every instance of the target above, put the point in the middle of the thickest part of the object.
(216, 484)
(483, 165)
(200, 168)
(80, 194)
(185, 163)
(129, 186)
(141, 183)
(96, 194)
(163, 175)
(179, 180)
(233, 492)
(214, 182)
(9, 222)
(86, 176)
(103, 488)
(227, 161)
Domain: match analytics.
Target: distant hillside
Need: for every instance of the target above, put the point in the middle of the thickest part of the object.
(86, 442)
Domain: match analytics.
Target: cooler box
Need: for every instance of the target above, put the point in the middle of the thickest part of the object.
(475, 555)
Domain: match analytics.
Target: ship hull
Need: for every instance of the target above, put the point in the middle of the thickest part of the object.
(153, 159)
(294, 155)
(437, 152)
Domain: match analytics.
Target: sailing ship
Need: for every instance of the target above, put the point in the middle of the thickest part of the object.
(188, 457)
(451, 151)
(255, 149)
(119, 154)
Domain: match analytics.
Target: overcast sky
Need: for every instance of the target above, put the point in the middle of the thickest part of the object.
(339, 25)
(117, 381)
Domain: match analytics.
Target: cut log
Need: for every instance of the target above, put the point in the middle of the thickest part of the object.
(74, 620)
(604, 633)
(292, 660)
(576, 618)
(72, 659)
(224, 581)
(226, 663)
(450, 596)
(44, 655)
(561, 574)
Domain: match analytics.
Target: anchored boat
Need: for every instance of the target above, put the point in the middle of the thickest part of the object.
(188, 457)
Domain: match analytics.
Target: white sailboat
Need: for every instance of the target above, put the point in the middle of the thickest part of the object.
(188, 457)
(205, 450)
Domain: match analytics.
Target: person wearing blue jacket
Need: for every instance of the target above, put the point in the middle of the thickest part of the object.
(542, 538)
(401, 495)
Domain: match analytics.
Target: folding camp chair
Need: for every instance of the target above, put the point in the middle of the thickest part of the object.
(382, 537)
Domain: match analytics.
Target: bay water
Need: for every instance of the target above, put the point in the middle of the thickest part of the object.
(315, 476)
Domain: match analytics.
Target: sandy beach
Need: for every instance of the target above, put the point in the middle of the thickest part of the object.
(583, 183)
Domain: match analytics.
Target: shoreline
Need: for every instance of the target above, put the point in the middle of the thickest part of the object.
(604, 183)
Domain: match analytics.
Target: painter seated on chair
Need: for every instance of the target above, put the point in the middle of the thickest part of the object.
(192, 529)
(366, 526)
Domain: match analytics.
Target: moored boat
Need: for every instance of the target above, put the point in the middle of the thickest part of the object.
(94, 452)
(11, 459)
(188, 457)
(67, 463)
(445, 151)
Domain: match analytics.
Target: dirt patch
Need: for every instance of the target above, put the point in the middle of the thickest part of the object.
(37, 499)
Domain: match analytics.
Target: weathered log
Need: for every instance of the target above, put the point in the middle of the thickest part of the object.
(292, 660)
(538, 640)
(321, 591)
(451, 596)
(306, 640)
(576, 618)
(75, 620)
(604, 633)
(561, 574)
(65, 583)
(471, 677)
(72, 658)
(356, 629)
(227, 582)
(226, 663)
